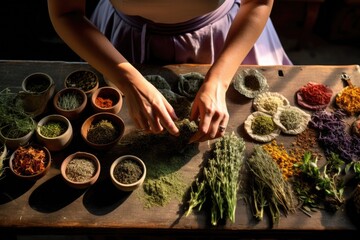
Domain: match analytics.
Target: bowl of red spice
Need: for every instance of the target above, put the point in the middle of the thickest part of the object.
(128, 172)
(80, 170)
(103, 130)
(107, 99)
(30, 162)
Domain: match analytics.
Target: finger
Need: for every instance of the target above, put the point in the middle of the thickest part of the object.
(167, 120)
(154, 123)
(205, 120)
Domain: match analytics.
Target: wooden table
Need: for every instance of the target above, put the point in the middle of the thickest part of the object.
(49, 206)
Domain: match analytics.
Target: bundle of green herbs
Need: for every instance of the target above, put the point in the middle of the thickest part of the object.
(268, 188)
(317, 186)
(14, 121)
(220, 179)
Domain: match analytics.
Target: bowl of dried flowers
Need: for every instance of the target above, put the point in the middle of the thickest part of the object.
(80, 170)
(128, 172)
(54, 131)
(107, 99)
(84, 79)
(30, 162)
(103, 130)
(70, 102)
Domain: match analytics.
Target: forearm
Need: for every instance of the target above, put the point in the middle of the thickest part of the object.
(91, 45)
(244, 31)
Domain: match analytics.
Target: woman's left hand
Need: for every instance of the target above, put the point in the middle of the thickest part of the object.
(209, 108)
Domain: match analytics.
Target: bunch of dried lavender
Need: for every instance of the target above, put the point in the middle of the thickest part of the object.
(220, 181)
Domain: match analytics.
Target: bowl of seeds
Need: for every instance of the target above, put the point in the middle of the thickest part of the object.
(80, 170)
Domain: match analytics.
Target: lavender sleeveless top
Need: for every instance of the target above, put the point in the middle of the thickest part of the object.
(198, 40)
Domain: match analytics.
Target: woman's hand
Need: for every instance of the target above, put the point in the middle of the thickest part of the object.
(149, 109)
(209, 108)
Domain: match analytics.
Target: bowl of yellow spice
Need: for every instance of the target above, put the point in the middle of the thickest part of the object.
(80, 170)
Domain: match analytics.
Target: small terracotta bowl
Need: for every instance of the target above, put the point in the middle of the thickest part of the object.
(85, 79)
(14, 143)
(99, 141)
(38, 89)
(70, 102)
(80, 170)
(111, 99)
(42, 156)
(116, 173)
(59, 142)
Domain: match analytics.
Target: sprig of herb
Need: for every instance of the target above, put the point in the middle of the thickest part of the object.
(328, 184)
(220, 181)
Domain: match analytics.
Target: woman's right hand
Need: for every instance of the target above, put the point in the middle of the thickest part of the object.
(149, 109)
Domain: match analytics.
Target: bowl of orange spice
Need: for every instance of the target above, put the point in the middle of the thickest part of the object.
(30, 162)
(107, 99)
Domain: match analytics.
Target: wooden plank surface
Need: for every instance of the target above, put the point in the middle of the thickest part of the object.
(51, 206)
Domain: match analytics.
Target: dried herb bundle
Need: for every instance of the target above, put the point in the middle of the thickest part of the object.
(269, 189)
(220, 181)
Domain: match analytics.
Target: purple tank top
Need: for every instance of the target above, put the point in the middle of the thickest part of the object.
(198, 40)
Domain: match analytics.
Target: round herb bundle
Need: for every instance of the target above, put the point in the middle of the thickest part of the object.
(261, 127)
(189, 84)
(291, 120)
(268, 102)
(250, 83)
(158, 81)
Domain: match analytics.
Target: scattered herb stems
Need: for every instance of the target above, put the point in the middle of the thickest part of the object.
(220, 181)
(268, 188)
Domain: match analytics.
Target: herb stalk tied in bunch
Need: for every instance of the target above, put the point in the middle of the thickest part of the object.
(220, 181)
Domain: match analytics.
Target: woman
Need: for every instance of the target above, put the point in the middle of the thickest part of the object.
(224, 33)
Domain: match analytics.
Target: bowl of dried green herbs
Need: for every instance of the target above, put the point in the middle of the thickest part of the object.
(80, 170)
(103, 130)
(128, 172)
(84, 79)
(70, 102)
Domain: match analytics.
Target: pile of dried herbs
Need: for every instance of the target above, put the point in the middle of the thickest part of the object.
(220, 182)
(316, 187)
(268, 188)
(333, 136)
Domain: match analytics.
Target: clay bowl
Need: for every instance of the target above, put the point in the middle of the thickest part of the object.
(73, 167)
(117, 173)
(38, 88)
(41, 153)
(111, 100)
(70, 102)
(59, 142)
(14, 143)
(84, 79)
(94, 127)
